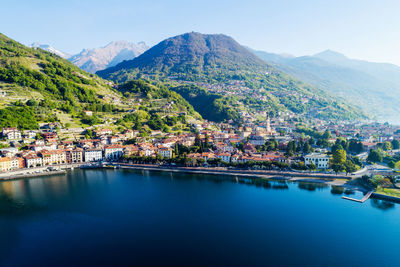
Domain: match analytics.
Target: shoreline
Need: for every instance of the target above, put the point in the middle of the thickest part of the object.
(332, 181)
(298, 177)
(43, 171)
(288, 176)
(237, 171)
(32, 175)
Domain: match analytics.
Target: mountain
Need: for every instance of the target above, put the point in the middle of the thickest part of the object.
(92, 60)
(37, 86)
(223, 67)
(49, 88)
(375, 87)
(50, 49)
(190, 54)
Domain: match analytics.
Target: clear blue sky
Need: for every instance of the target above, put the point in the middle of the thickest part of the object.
(364, 29)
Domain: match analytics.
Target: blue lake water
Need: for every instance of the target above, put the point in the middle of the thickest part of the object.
(117, 217)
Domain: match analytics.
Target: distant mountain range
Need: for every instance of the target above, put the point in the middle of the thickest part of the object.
(92, 60)
(50, 49)
(223, 66)
(96, 59)
(375, 87)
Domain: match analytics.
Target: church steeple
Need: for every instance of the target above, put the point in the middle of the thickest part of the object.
(268, 124)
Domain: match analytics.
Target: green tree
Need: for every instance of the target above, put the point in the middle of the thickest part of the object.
(311, 141)
(377, 180)
(312, 166)
(339, 157)
(337, 147)
(327, 134)
(350, 167)
(31, 103)
(395, 144)
(391, 164)
(323, 143)
(355, 146)
(338, 168)
(387, 146)
(306, 148)
(375, 155)
(206, 142)
(291, 148)
(201, 161)
(397, 165)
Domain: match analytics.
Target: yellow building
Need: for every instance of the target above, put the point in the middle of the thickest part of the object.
(5, 164)
(54, 157)
(8, 164)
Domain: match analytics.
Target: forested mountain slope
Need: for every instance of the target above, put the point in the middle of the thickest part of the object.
(220, 65)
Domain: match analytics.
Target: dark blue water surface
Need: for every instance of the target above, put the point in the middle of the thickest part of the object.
(116, 217)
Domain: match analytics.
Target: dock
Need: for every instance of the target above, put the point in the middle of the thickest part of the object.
(365, 198)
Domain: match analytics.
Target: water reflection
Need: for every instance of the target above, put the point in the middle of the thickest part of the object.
(267, 184)
(348, 191)
(382, 204)
(37, 194)
(280, 185)
(311, 186)
(337, 190)
(88, 211)
(20, 197)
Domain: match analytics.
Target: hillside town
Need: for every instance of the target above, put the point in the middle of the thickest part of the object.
(271, 144)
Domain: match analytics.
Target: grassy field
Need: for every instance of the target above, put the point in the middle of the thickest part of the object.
(389, 191)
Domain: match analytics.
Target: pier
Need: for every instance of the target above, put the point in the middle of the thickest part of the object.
(365, 198)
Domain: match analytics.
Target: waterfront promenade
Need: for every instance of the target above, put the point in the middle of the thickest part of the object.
(240, 172)
(38, 171)
(45, 170)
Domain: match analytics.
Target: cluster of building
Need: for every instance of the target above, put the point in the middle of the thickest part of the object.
(44, 147)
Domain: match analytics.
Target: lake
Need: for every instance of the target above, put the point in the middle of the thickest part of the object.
(121, 217)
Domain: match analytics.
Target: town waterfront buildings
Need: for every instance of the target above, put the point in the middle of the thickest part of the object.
(224, 143)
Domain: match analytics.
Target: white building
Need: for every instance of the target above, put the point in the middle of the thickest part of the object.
(113, 152)
(318, 159)
(257, 140)
(226, 157)
(14, 135)
(93, 155)
(9, 151)
(101, 132)
(30, 134)
(32, 161)
(165, 152)
(88, 112)
(14, 163)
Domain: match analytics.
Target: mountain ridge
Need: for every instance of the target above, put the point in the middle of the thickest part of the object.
(95, 59)
(50, 49)
(221, 65)
(192, 50)
(375, 87)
